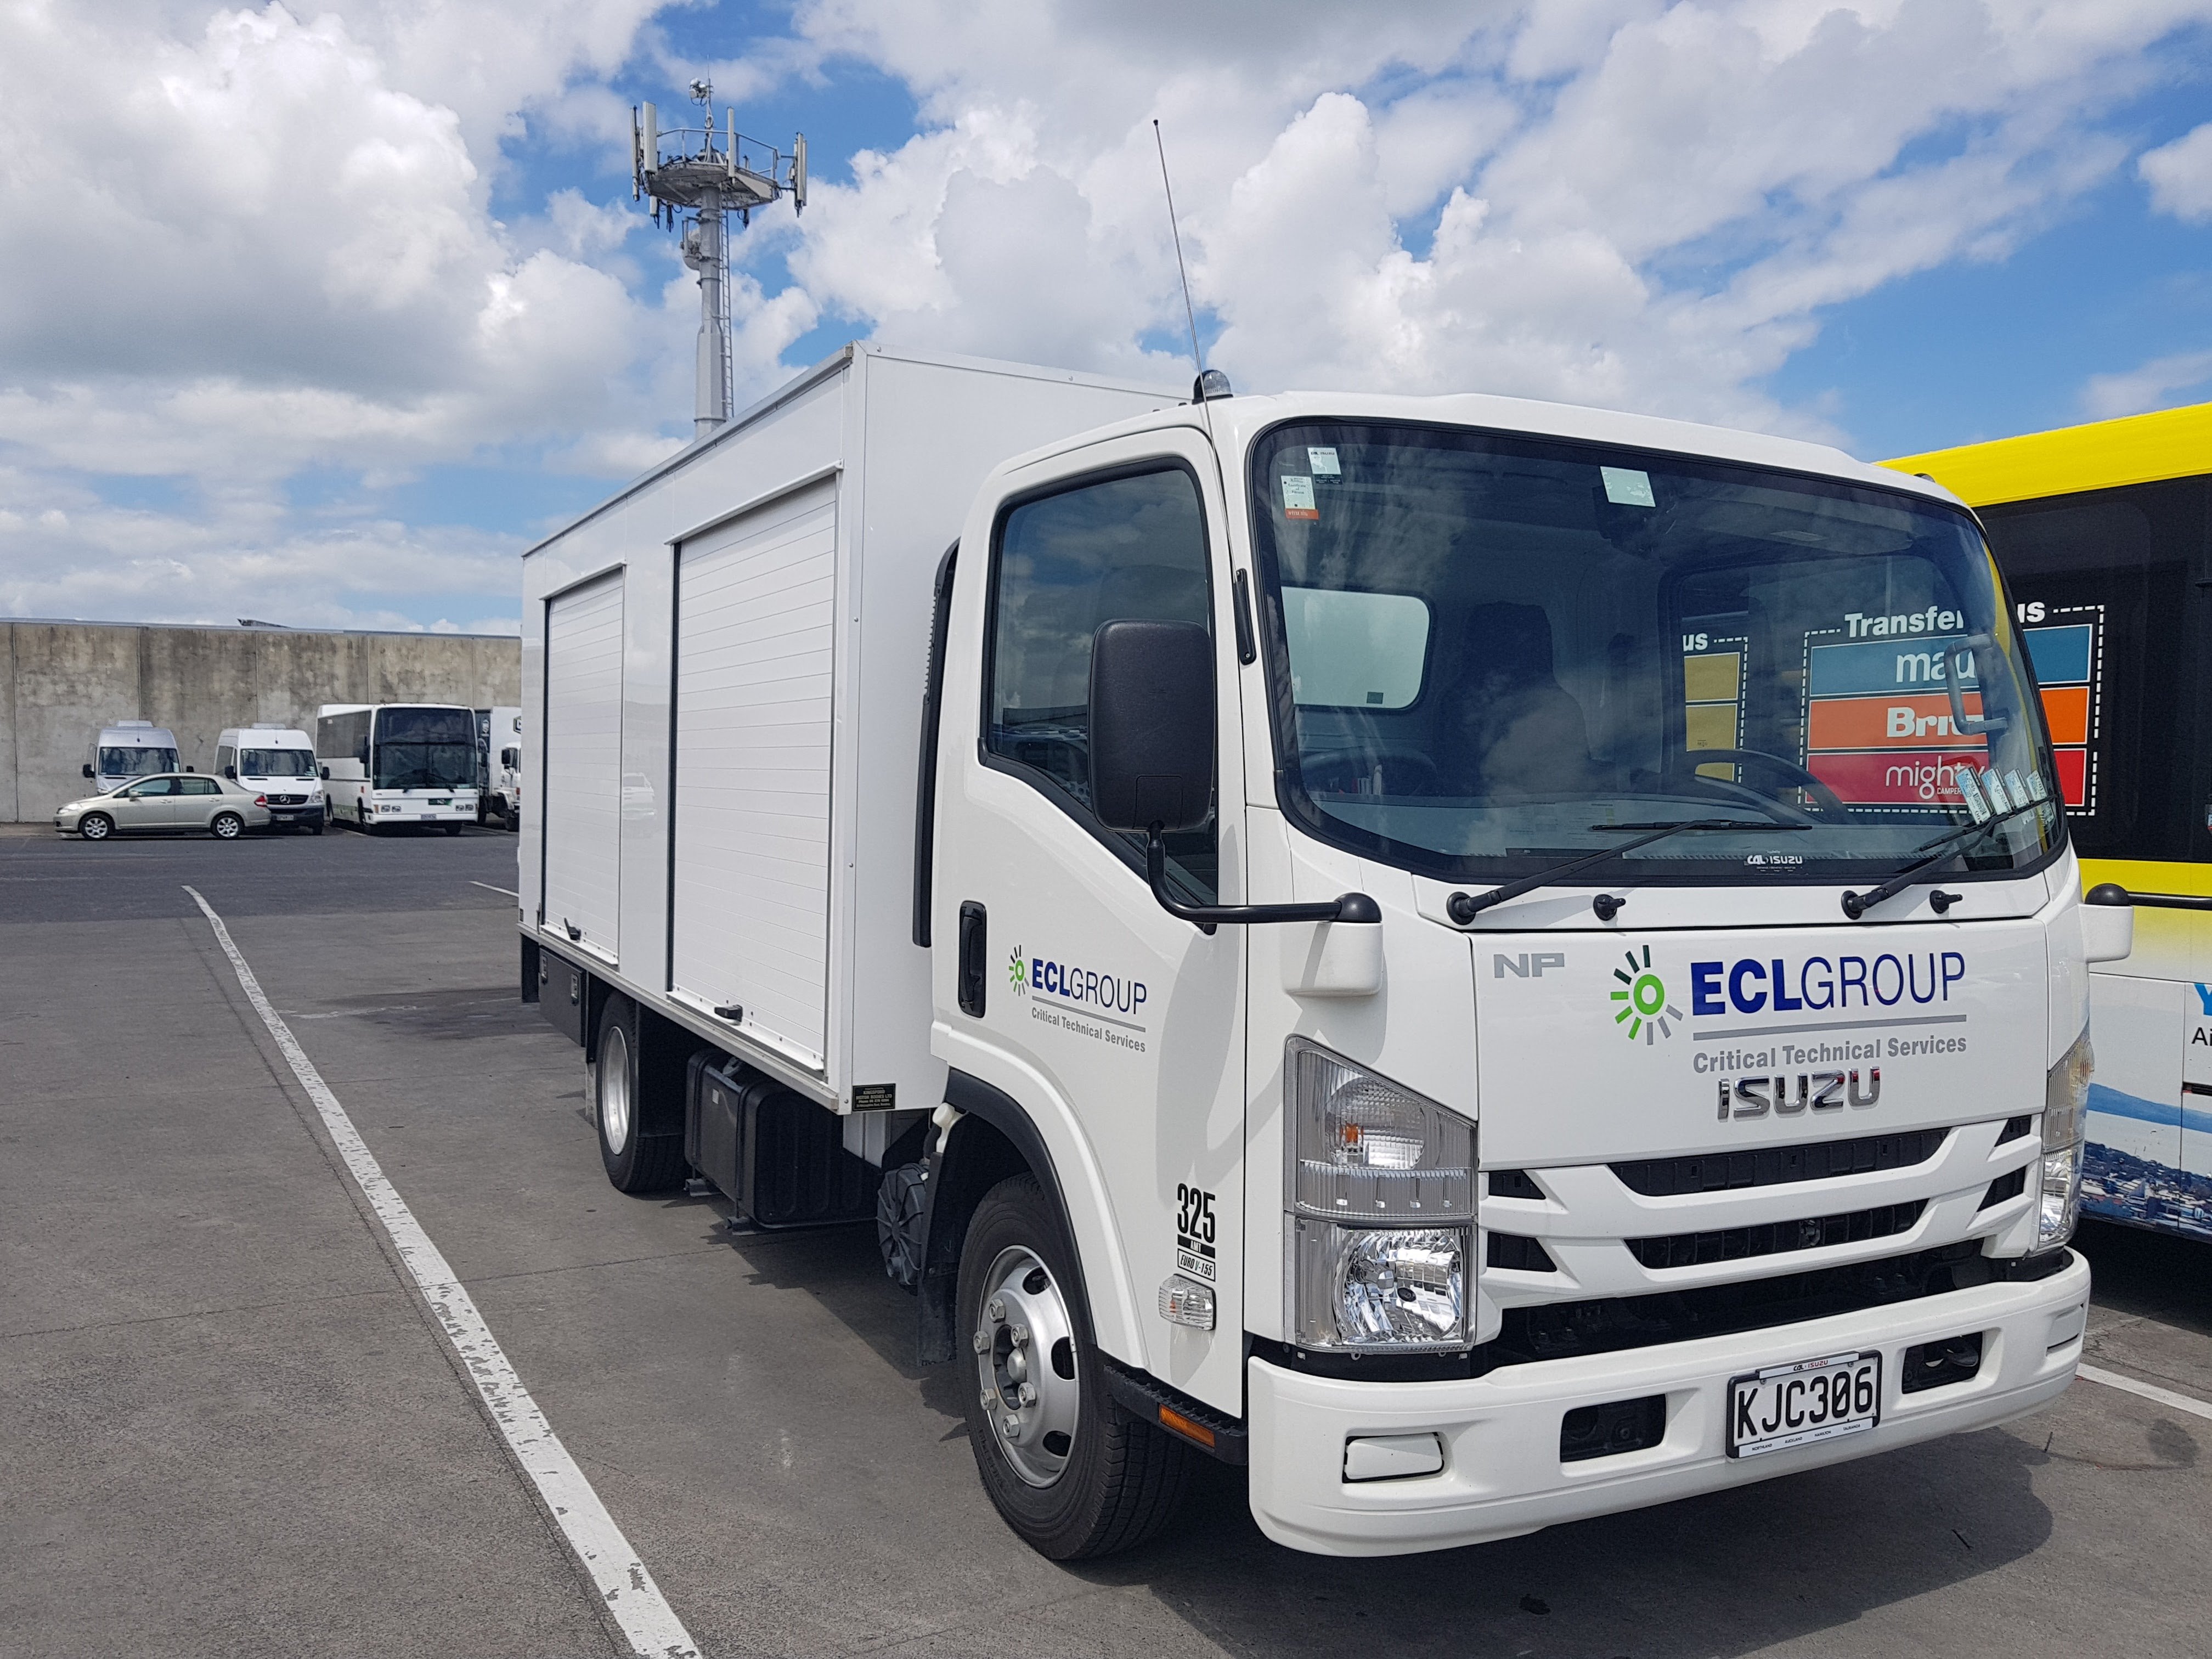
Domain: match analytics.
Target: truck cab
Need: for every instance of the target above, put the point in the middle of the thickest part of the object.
(1517, 1026)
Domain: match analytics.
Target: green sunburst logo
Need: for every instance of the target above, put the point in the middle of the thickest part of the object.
(1018, 972)
(1643, 1006)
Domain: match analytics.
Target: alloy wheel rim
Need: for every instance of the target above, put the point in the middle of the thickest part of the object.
(1024, 1348)
(614, 1088)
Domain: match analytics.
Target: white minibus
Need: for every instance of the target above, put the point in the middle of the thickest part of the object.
(279, 764)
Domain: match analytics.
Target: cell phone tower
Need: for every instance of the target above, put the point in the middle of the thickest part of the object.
(697, 177)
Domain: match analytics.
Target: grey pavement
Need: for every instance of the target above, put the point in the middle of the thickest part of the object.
(230, 1427)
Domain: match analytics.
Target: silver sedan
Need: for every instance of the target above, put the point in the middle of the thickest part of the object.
(177, 803)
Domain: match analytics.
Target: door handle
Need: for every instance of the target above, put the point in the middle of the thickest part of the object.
(973, 943)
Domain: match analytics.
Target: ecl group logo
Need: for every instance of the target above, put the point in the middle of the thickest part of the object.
(1644, 1010)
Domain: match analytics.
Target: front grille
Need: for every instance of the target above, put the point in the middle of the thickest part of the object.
(1526, 1256)
(287, 800)
(2005, 1187)
(2014, 1127)
(1776, 1166)
(1777, 1237)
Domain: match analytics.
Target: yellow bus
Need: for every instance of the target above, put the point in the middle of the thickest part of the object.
(2104, 533)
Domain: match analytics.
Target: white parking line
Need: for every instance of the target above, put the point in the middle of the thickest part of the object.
(489, 888)
(631, 1596)
(2180, 1402)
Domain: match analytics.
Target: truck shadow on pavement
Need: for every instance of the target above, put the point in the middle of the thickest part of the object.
(1727, 1573)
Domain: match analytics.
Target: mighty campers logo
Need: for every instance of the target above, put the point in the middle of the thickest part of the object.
(1106, 1007)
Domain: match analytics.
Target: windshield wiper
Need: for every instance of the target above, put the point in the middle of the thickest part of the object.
(1463, 908)
(1856, 905)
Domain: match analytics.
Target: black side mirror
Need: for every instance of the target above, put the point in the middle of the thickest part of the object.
(1151, 758)
(87, 769)
(1152, 725)
(231, 772)
(189, 769)
(326, 774)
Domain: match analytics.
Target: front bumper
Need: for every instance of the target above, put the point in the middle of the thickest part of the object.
(1502, 1477)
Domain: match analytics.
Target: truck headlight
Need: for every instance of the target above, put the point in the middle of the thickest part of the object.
(2065, 1102)
(1364, 1153)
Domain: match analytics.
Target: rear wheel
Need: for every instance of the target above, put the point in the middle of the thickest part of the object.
(226, 826)
(1071, 1471)
(453, 829)
(636, 1161)
(95, 826)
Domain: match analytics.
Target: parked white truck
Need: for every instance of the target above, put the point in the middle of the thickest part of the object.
(499, 765)
(1402, 947)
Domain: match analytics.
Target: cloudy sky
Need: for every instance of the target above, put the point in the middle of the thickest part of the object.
(321, 313)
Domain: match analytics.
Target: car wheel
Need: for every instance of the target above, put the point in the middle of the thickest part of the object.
(639, 1154)
(316, 827)
(1069, 1470)
(95, 826)
(226, 826)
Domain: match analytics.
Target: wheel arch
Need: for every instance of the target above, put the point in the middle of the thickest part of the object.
(995, 1137)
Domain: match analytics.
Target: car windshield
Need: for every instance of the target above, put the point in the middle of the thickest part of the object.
(425, 749)
(1491, 653)
(275, 763)
(117, 762)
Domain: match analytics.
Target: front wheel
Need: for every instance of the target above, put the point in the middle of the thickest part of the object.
(95, 826)
(1069, 1470)
(226, 826)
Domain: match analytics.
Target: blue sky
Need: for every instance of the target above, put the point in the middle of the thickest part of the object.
(1892, 224)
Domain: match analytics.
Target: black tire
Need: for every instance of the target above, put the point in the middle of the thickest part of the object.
(453, 829)
(226, 826)
(316, 827)
(1120, 1479)
(95, 826)
(637, 1159)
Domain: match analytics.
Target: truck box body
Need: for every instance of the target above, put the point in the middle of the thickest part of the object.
(728, 658)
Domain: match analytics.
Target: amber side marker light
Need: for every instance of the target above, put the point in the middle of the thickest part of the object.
(1172, 1419)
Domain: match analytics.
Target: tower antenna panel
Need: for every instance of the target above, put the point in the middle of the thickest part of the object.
(712, 173)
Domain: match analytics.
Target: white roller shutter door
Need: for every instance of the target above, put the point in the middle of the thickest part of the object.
(754, 633)
(583, 763)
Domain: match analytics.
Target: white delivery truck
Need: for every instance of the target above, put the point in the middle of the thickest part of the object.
(499, 770)
(396, 763)
(128, 749)
(277, 763)
(1399, 941)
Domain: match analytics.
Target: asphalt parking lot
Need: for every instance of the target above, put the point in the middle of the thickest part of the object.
(233, 1426)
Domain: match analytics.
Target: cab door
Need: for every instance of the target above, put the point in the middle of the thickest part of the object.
(1118, 1028)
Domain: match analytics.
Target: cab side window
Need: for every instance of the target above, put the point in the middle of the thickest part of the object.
(1132, 546)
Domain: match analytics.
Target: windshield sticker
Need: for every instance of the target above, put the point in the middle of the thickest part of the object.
(1625, 487)
(1298, 496)
(1322, 463)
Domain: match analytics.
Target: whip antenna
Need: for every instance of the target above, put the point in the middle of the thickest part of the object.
(1206, 387)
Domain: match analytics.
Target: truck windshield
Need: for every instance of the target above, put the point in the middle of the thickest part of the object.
(275, 763)
(425, 749)
(134, 763)
(1491, 653)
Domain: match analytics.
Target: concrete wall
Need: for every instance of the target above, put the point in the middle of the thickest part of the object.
(60, 682)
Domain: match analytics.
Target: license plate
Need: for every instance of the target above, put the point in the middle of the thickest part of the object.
(1796, 1405)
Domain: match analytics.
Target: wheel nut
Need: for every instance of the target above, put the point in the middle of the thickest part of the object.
(1021, 1335)
(1029, 1394)
(996, 1309)
(1011, 1425)
(983, 1342)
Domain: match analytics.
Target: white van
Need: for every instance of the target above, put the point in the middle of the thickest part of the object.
(130, 749)
(277, 763)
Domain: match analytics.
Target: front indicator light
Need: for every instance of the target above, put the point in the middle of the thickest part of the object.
(1380, 1287)
(2065, 1104)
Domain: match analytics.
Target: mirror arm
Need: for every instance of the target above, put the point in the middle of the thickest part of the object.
(1346, 906)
